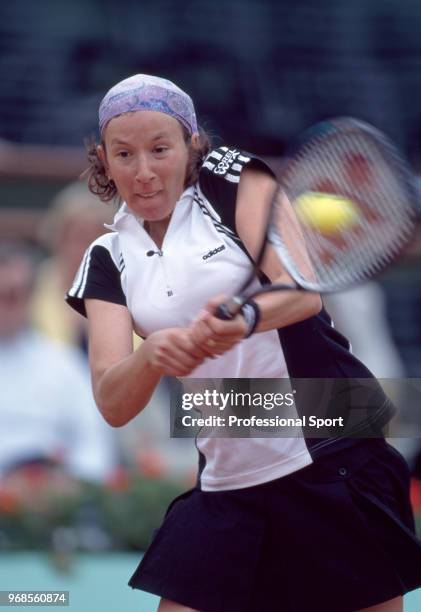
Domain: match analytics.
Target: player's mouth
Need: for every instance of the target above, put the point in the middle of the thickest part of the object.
(149, 195)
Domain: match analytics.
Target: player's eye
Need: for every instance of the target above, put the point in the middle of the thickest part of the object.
(160, 149)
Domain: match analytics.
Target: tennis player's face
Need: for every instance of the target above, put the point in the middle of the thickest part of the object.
(146, 157)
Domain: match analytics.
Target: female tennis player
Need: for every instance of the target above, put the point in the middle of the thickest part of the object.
(274, 524)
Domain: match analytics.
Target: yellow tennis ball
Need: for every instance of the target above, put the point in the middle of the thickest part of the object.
(325, 212)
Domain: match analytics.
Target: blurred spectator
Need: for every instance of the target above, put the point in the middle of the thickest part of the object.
(47, 414)
(76, 217)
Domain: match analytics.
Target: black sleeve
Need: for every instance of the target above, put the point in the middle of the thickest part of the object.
(99, 278)
(219, 178)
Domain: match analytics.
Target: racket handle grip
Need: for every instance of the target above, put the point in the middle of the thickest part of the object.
(229, 310)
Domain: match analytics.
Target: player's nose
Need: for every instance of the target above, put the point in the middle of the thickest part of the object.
(144, 171)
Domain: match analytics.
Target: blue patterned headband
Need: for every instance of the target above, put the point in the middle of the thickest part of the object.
(144, 92)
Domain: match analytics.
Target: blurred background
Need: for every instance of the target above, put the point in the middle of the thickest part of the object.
(78, 500)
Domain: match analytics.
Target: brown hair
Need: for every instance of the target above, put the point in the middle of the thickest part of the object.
(103, 187)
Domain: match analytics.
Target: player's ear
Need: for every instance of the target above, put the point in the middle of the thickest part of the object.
(195, 141)
(102, 156)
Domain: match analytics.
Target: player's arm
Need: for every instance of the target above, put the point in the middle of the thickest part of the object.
(277, 309)
(123, 380)
(253, 201)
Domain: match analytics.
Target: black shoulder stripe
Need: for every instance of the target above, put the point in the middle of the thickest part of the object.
(98, 278)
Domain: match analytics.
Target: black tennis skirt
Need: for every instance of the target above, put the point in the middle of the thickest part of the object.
(335, 536)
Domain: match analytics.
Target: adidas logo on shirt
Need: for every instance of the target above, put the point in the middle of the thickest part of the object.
(214, 252)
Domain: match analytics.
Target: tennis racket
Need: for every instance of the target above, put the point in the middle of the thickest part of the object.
(343, 211)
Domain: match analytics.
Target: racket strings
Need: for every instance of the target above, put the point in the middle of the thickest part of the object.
(386, 199)
(357, 166)
(359, 244)
(326, 164)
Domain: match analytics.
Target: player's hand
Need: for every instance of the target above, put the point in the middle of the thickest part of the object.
(172, 352)
(215, 336)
